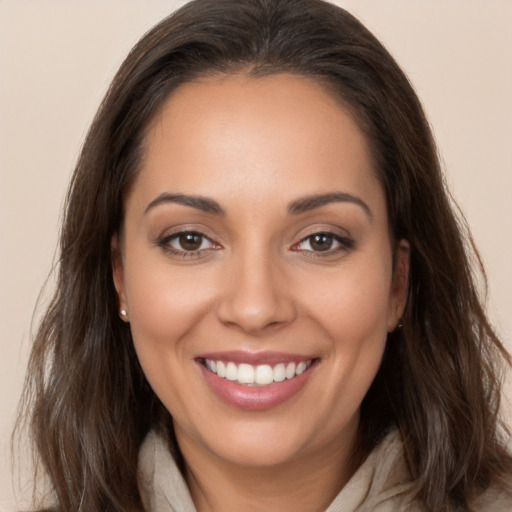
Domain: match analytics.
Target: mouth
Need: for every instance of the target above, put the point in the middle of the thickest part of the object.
(256, 375)
(258, 381)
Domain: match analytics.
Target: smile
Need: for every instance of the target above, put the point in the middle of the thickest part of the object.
(259, 375)
(256, 381)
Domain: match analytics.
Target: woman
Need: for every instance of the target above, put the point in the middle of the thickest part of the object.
(265, 301)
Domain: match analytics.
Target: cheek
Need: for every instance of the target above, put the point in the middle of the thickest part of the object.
(353, 318)
(165, 307)
(165, 310)
(352, 304)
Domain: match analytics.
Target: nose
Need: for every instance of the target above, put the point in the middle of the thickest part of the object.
(256, 296)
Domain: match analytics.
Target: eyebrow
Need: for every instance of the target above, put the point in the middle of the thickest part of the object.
(200, 203)
(296, 207)
(309, 203)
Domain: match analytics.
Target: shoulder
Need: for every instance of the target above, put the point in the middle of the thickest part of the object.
(382, 484)
(162, 485)
(494, 499)
(393, 489)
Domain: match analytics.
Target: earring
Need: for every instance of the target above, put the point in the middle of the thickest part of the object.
(123, 312)
(397, 328)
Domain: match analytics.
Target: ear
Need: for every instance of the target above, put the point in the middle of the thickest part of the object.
(399, 284)
(118, 272)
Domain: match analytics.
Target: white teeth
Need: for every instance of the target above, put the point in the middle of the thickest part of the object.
(264, 374)
(290, 370)
(221, 369)
(300, 368)
(279, 373)
(231, 371)
(245, 374)
(260, 375)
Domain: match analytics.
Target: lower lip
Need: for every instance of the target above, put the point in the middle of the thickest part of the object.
(255, 398)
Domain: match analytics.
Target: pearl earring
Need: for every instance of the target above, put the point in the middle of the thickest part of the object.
(123, 312)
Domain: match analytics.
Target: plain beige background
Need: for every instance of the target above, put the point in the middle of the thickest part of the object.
(58, 56)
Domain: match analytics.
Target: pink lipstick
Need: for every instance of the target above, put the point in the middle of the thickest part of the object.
(256, 381)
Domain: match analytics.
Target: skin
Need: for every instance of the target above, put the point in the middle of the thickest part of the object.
(254, 146)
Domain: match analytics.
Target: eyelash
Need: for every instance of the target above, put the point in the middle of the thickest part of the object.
(345, 244)
(165, 242)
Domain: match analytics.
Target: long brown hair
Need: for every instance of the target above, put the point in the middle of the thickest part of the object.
(87, 401)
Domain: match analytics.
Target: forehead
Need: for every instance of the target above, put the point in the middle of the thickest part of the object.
(236, 135)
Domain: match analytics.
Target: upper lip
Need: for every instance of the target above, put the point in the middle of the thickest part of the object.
(255, 358)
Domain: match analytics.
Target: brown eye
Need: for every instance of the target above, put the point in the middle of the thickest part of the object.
(321, 241)
(187, 243)
(324, 242)
(190, 241)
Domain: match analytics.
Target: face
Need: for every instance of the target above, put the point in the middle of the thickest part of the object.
(256, 268)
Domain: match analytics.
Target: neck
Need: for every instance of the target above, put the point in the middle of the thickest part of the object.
(308, 483)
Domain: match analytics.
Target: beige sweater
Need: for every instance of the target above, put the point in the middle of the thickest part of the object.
(381, 484)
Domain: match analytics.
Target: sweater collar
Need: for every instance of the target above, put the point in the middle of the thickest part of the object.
(382, 478)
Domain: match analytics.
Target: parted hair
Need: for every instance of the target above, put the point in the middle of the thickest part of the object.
(87, 402)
